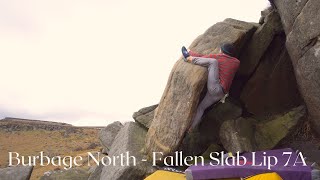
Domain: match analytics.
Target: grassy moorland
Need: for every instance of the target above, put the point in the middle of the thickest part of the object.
(53, 141)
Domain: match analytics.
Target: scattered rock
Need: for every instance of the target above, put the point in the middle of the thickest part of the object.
(186, 81)
(248, 134)
(107, 135)
(197, 142)
(92, 145)
(70, 174)
(16, 173)
(268, 134)
(238, 135)
(130, 139)
(145, 115)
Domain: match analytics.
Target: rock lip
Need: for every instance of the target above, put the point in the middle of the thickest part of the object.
(145, 115)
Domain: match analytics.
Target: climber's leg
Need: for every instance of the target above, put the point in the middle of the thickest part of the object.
(214, 89)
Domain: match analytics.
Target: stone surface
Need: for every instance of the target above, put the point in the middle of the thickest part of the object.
(289, 10)
(197, 142)
(210, 149)
(315, 173)
(259, 43)
(145, 115)
(107, 135)
(185, 84)
(256, 48)
(273, 88)
(269, 133)
(249, 134)
(264, 14)
(129, 139)
(238, 135)
(302, 25)
(96, 174)
(16, 173)
(70, 174)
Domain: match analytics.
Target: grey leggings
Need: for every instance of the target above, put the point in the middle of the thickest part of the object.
(214, 89)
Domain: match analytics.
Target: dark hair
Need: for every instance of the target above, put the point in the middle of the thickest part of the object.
(228, 49)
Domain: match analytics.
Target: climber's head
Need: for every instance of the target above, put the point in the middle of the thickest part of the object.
(227, 49)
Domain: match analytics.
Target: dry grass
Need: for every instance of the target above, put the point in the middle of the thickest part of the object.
(52, 143)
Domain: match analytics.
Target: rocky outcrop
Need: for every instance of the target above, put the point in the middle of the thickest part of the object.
(302, 26)
(16, 173)
(197, 142)
(145, 115)
(289, 11)
(272, 89)
(270, 133)
(238, 135)
(259, 43)
(248, 134)
(130, 139)
(107, 135)
(255, 49)
(10, 124)
(186, 81)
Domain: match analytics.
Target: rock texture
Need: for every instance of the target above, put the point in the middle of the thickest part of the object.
(238, 135)
(16, 173)
(129, 139)
(96, 174)
(270, 133)
(302, 26)
(248, 134)
(289, 11)
(259, 43)
(198, 141)
(272, 89)
(71, 174)
(186, 81)
(145, 115)
(107, 135)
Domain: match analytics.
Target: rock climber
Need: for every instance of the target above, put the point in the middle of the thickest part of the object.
(222, 68)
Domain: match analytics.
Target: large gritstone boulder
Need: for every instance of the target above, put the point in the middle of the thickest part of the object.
(185, 84)
(128, 144)
(107, 135)
(302, 26)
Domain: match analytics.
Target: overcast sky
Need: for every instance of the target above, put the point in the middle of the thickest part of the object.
(92, 62)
